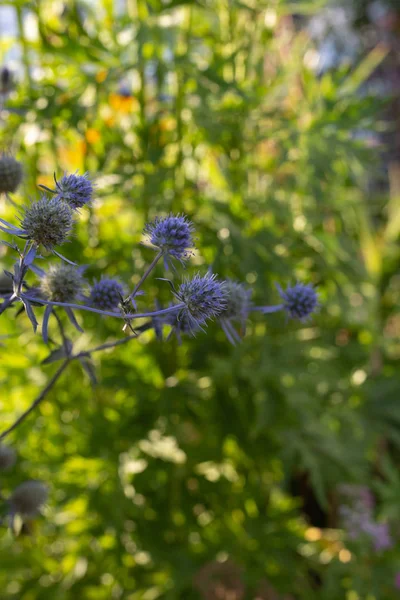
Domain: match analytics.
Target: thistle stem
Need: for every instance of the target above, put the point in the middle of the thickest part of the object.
(139, 283)
(106, 346)
(106, 313)
(38, 400)
(145, 274)
(268, 309)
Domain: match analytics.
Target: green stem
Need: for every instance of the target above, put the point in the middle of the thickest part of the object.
(38, 400)
(145, 275)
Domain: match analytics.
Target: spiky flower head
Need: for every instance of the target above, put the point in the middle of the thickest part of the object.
(238, 302)
(172, 235)
(7, 457)
(75, 190)
(28, 498)
(62, 283)
(10, 174)
(106, 294)
(48, 222)
(204, 297)
(300, 300)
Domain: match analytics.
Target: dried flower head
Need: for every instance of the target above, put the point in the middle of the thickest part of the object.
(10, 174)
(300, 300)
(75, 190)
(172, 235)
(62, 283)
(48, 222)
(238, 302)
(7, 457)
(238, 306)
(28, 498)
(106, 294)
(204, 297)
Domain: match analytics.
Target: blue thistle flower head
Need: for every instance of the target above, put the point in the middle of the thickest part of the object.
(172, 235)
(204, 297)
(300, 300)
(106, 294)
(75, 190)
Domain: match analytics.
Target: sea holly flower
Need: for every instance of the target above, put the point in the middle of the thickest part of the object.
(300, 300)
(75, 190)
(10, 174)
(203, 297)
(172, 236)
(47, 222)
(238, 306)
(28, 498)
(107, 294)
(62, 283)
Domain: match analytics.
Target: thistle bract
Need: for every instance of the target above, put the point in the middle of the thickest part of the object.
(204, 297)
(300, 300)
(180, 323)
(10, 174)
(172, 235)
(62, 283)
(7, 457)
(47, 222)
(106, 294)
(28, 498)
(75, 190)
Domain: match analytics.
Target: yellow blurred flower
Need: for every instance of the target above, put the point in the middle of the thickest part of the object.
(92, 135)
(123, 103)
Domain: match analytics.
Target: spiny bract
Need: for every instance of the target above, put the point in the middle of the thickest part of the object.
(106, 294)
(48, 222)
(10, 174)
(62, 283)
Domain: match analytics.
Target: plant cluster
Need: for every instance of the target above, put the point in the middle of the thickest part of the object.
(48, 223)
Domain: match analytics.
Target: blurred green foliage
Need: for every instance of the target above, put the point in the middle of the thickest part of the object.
(197, 468)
